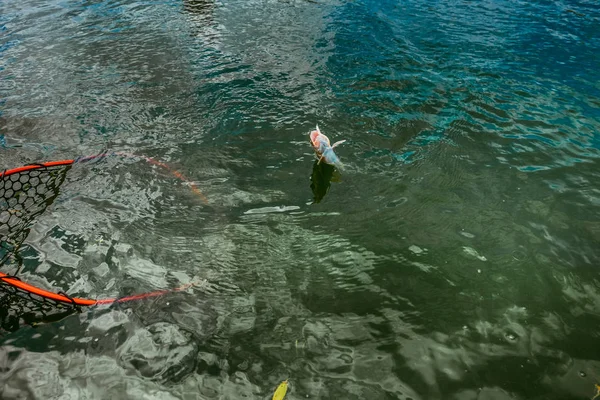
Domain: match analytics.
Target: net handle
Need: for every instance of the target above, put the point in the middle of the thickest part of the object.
(30, 167)
(13, 281)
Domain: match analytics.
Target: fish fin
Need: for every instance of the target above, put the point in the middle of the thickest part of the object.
(318, 130)
(320, 159)
(338, 143)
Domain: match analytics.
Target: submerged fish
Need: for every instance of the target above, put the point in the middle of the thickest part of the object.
(324, 148)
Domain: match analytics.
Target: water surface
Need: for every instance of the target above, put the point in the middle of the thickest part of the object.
(455, 257)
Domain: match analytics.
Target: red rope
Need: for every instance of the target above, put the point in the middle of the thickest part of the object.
(13, 281)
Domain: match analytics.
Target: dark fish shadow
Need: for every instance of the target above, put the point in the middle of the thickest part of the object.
(320, 180)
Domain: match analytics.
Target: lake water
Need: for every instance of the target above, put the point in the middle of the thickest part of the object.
(455, 256)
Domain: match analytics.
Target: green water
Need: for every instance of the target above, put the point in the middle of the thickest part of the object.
(455, 256)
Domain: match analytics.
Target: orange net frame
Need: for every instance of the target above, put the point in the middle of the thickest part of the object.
(25, 193)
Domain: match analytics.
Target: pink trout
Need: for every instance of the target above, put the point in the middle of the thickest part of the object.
(324, 148)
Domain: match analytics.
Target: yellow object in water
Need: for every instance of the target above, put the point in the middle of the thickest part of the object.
(281, 391)
(596, 396)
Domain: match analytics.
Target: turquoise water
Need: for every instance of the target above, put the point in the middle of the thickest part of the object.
(455, 256)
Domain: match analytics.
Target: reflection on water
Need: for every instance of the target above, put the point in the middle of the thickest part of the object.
(320, 179)
(201, 15)
(457, 260)
(200, 7)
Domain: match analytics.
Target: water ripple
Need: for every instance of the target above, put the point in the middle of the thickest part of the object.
(453, 257)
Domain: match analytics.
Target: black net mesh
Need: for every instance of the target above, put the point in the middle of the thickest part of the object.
(23, 196)
(19, 307)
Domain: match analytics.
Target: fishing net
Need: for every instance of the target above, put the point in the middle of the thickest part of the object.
(19, 307)
(25, 193)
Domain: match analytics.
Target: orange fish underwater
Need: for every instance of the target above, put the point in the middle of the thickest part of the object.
(324, 149)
